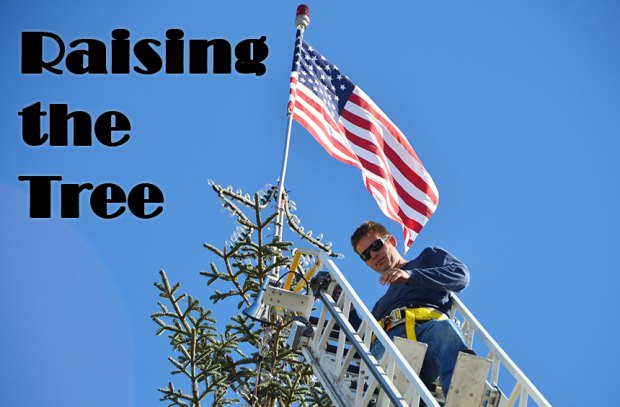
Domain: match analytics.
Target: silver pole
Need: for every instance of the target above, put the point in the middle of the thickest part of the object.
(302, 20)
(287, 142)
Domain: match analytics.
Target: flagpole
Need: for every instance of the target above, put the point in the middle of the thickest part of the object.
(302, 20)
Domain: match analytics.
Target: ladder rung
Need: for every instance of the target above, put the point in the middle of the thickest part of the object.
(331, 349)
(335, 332)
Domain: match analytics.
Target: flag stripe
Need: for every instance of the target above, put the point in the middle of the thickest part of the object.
(408, 222)
(386, 162)
(361, 99)
(415, 171)
(390, 193)
(324, 129)
(412, 208)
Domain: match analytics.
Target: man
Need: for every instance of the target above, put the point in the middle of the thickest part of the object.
(417, 302)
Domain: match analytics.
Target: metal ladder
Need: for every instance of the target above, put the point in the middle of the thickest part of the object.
(350, 374)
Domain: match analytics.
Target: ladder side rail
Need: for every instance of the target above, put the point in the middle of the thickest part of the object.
(331, 372)
(368, 359)
(366, 316)
(389, 370)
(336, 396)
(341, 362)
(526, 385)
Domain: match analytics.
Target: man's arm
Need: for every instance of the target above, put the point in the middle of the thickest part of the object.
(441, 270)
(438, 270)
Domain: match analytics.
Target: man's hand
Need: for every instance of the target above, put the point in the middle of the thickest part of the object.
(394, 276)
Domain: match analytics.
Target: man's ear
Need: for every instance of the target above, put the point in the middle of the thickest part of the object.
(392, 240)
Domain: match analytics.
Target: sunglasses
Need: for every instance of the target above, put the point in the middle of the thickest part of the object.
(374, 246)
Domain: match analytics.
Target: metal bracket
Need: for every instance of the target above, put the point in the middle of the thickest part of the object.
(289, 300)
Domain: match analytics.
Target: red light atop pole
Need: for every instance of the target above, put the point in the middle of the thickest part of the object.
(302, 19)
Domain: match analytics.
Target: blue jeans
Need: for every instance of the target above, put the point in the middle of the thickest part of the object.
(444, 340)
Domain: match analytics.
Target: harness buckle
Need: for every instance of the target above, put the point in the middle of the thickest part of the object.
(396, 315)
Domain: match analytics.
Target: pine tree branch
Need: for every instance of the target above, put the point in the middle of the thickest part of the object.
(234, 281)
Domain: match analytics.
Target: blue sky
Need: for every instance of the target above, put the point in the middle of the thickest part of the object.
(513, 107)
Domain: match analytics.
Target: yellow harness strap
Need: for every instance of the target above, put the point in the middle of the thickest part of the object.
(410, 316)
(420, 314)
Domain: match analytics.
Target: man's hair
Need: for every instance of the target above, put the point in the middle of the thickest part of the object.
(366, 227)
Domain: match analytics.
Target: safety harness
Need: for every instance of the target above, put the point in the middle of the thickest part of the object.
(409, 315)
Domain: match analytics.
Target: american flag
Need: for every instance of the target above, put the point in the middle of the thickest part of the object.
(350, 126)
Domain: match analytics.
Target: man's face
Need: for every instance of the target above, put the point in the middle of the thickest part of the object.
(382, 259)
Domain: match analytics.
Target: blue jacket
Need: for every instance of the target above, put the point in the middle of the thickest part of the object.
(432, 275)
